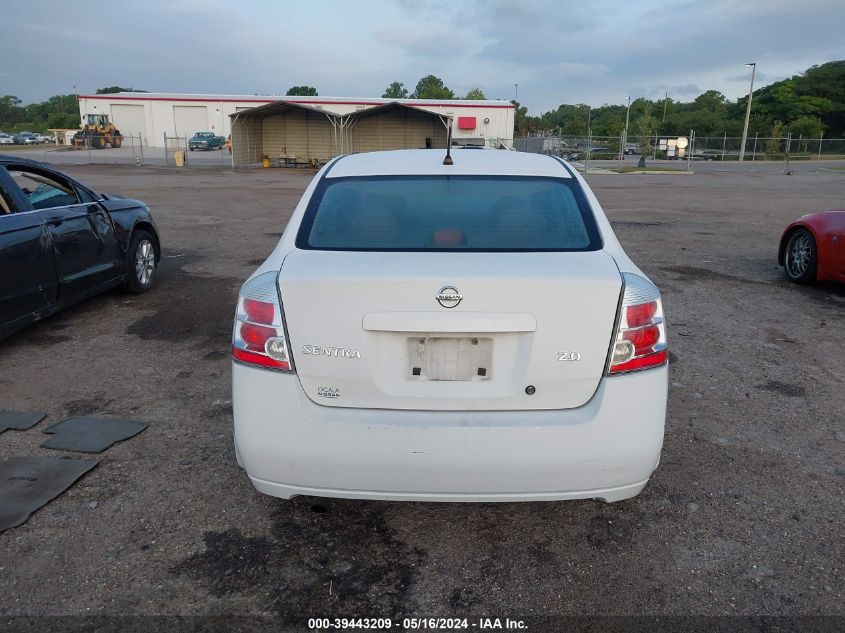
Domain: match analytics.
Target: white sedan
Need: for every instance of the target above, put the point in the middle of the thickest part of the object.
(5, 139)
(449, 332)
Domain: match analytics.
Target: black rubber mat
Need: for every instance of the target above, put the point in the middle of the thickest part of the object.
(20, 420)
(28, 483)
(90, 435)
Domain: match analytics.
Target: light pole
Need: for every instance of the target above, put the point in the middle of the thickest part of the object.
(747, 111)
(516, 92)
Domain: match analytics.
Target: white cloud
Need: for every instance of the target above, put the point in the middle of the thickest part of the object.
(558, 51)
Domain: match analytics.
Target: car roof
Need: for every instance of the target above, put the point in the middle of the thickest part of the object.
(8, 158)
(430, 162)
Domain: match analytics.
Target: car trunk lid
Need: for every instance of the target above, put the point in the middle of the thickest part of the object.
(526, 330)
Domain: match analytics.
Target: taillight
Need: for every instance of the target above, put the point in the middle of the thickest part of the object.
(259, 334)
(640, 341)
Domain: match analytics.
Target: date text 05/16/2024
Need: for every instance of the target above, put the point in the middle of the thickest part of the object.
(416, 624)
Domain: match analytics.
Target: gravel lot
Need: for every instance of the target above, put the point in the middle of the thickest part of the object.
(743, 516)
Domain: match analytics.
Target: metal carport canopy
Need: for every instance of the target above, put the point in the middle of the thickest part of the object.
(390, 107)
(248, 141)
(278, 107)
(351, 120)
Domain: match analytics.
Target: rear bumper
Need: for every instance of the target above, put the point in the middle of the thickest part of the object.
(606, 449)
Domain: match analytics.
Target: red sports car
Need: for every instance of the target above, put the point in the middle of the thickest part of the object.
(813, 248)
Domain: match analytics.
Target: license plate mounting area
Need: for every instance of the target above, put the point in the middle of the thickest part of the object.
(450, 358)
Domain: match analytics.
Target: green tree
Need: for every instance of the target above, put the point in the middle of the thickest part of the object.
(520, 119)
(396, 90)
(575, 119)
(806, 127)
(774, 144)
(525, 124)
(109, 90)
(302, 91)
(62, 120)
(759, 124)
(10, 110)
(59, 111)
(608, 120)
(645, 128)
(819, 93)
(827, 82)
(801, 103)
(613, 131)
(431, 87)
(475, 94)
(712, 101)
(783, 100)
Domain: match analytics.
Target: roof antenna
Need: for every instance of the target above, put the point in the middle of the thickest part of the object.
(448, 159)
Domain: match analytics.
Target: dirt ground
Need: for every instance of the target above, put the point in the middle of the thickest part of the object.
(743, 516)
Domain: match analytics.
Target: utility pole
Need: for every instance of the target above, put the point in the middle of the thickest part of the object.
(747, 112)
(665, 101)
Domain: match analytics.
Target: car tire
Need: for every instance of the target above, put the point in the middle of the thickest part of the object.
(800, 257)
(140, 262)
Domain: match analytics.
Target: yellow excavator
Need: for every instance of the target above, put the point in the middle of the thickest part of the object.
(97, 131)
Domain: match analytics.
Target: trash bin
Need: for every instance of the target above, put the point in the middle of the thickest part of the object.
(180, 159)
(265, 162)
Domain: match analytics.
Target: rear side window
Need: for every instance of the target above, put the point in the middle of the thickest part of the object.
(6, 206)
(455, 213)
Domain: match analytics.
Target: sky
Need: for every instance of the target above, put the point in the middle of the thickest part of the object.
(555, 51)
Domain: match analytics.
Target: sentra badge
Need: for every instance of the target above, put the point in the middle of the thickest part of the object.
(339, 352)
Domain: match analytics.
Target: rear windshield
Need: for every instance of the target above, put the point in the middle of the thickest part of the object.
(455, 213)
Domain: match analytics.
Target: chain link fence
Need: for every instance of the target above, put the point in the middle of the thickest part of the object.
(129, 149)
(688, 151)
(122, 149)
(178, 153)
(786, 155)
(125, 149)
(586, 152)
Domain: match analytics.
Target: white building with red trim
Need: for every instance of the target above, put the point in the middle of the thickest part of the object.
(154, 115)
